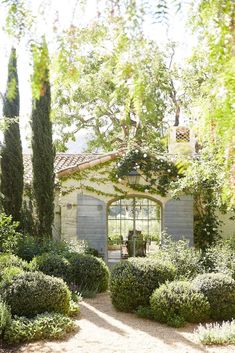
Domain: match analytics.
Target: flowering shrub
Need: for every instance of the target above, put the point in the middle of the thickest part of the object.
(157, 170)
(216, 333)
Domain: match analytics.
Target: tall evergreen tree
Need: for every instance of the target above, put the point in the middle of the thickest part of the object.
(42, 144)
(12, 169)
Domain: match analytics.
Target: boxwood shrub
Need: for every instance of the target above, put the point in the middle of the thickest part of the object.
(177, 302)
(219, 289)
(133, 281)
(88, 272)
(32, 293)
(52, 264)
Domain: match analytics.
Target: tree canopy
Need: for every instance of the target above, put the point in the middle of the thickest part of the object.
(115, 85)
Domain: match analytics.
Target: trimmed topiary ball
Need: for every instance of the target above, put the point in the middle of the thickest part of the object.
(32, 293)
(52, 264)
(177, 302)
(219, 289)
(133, 281)
(88, 272)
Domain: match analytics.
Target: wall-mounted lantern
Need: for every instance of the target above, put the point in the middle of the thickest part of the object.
(133, 177)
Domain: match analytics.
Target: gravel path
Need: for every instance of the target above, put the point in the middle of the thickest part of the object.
(104, 330)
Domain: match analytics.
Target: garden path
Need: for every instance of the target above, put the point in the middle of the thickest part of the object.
(104, 330)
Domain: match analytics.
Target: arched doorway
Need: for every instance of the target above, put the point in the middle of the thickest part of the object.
(134, 227)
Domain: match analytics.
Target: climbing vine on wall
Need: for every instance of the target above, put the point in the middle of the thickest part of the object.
(157, 170)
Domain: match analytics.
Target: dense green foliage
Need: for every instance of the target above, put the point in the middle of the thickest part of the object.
(52, 265)
(209, 82)
(42, 145)
(5, 317)
(8, 260)
(158, 171)
(42, 326)
(144, 312)
(213, 65)
(33, 293)
(177, 302)
(9, 236)
(187, 260)
(11, 156)
(219, 258)
(30, 246)
(88, 272)
(219, 289)
(74, 308)
(133, 281)
(10, 272)
(205, 179)
(83, 272)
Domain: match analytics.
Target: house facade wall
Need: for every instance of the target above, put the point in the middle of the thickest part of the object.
(84, 199)
(227, 227)
(81, 198)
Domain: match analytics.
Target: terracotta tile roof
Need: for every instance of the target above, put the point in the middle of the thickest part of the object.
(63, 161)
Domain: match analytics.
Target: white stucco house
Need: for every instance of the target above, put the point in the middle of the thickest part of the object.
(88, 206)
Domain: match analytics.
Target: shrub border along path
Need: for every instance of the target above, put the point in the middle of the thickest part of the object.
(104, 330)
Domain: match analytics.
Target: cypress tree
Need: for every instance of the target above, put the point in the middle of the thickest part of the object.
(12, 169)
(42, 144)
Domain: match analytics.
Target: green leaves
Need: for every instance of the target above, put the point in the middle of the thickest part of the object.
(19, 18)
(118, 87)
(158, 172)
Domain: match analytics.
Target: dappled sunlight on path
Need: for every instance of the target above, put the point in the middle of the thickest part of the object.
(104, 330)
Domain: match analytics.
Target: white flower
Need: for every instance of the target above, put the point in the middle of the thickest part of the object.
(145, 155)
(136, 151)
(168, 170)
(119, 180)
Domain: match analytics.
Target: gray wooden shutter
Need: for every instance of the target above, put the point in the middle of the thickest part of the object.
(92, 223)
(178, 218)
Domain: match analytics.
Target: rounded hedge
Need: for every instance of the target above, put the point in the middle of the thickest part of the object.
(88, 272)
(32, 293)
(52, 264)
(177, 302)
(133, 281)
(219, 289)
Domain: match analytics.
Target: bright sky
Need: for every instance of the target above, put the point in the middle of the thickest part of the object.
(64, 10)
